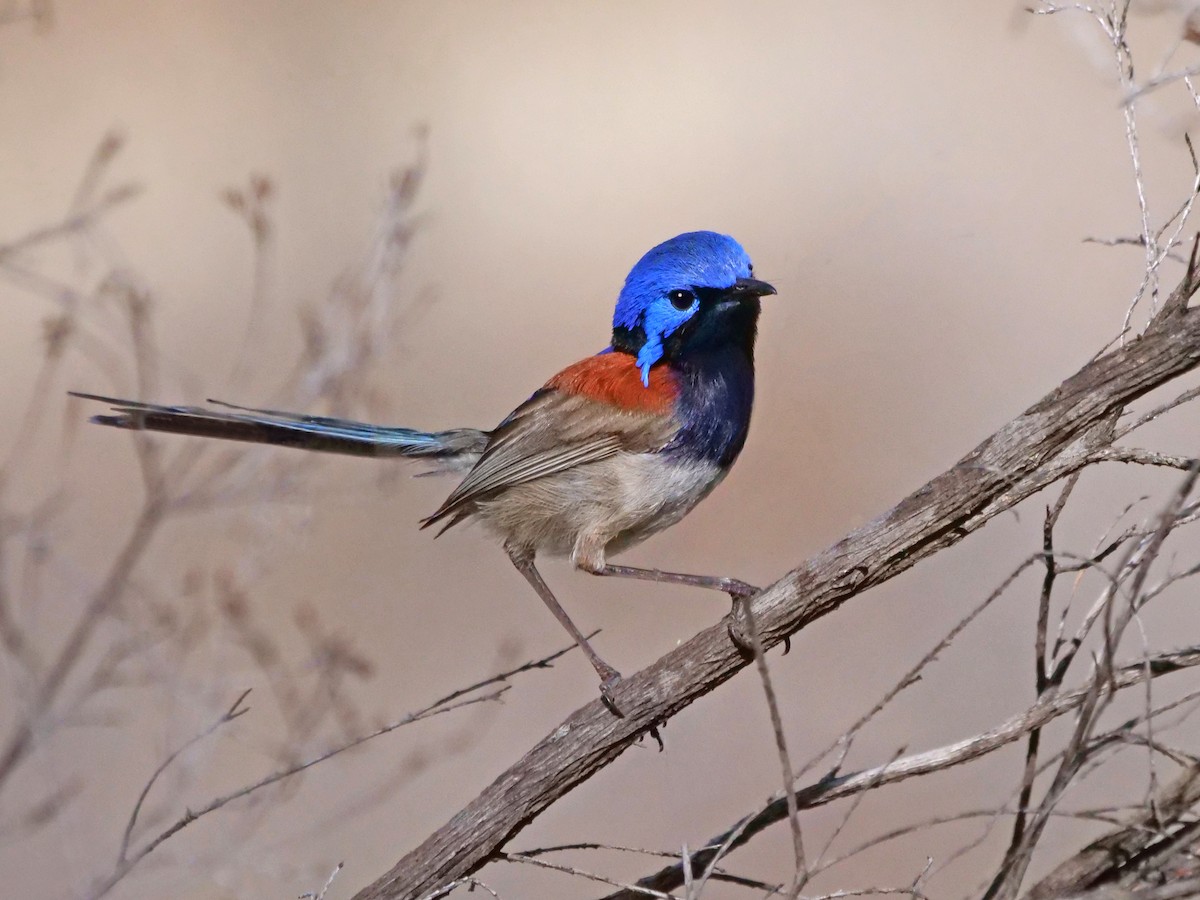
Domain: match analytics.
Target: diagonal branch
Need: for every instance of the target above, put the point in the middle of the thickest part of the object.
(1052, 439)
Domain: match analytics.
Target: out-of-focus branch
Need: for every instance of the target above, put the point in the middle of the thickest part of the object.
(116, 631)
(75, 223)
(1052, 439)
(495, 685)
(235, 711)
(39, 12)
(99, 604)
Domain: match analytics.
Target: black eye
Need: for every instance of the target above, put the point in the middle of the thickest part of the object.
(681, 300)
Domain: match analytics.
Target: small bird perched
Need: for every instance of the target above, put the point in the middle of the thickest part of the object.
(610, 451)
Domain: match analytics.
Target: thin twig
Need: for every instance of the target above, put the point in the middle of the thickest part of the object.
(580, 873)
(190, 816)
(72, 224)
(229, 715)
(939, 759)
(913, 675)
(320, 895)
(1101, 691)
(451, 701)
(800, 874)
(1041, 680)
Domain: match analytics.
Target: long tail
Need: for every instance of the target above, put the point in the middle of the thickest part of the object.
(451, 450)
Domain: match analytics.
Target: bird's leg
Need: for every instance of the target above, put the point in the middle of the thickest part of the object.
(609, 676)
(737, 590)
(731, 586)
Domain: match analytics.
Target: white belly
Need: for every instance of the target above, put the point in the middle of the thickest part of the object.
(602, 507)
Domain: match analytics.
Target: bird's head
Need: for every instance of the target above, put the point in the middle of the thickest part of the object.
(695, 291)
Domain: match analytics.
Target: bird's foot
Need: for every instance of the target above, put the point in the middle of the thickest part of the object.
(739, 636)
(737, 625)
(609, 679)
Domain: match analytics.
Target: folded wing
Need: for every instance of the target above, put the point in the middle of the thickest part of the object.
(587, 413)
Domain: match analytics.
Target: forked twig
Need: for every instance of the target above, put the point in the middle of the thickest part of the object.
(234, 711)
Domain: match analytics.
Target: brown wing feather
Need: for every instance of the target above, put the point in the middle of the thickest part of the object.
(552, 432)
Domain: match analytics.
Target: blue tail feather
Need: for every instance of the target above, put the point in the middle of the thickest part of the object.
(320, 433)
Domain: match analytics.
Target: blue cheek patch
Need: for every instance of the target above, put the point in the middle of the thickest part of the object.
(650, 353)
(659, 322)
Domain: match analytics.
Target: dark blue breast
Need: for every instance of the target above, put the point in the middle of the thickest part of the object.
(716, 394)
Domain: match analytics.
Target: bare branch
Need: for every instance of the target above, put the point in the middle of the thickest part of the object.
(1041, 679)
(1158, 411)
(1051, 440)
(590, 876)
(800, 875)
(1101, 691)
(451, 701)
(75, 223)
(106, 595)
(229, 715)
(1111, 854)
(1142, 457)
(836, 787)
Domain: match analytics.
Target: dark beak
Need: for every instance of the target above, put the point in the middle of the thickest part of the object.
(751, 287)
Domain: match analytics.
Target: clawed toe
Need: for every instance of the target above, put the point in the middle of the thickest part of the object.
(608, 684)
(657, 735)
(737, 630)
(740, 639)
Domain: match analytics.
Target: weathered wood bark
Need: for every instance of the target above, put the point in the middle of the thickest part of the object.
(848, 784)
(1136, 854)
(1066, 430)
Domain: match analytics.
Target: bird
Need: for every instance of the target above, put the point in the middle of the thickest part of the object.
(608, 452)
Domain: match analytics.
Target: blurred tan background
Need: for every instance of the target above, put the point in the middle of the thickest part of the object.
(916, 179)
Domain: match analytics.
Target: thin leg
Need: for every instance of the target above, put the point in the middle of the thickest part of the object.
(731, 586)
(608, 675)
(738, 590)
